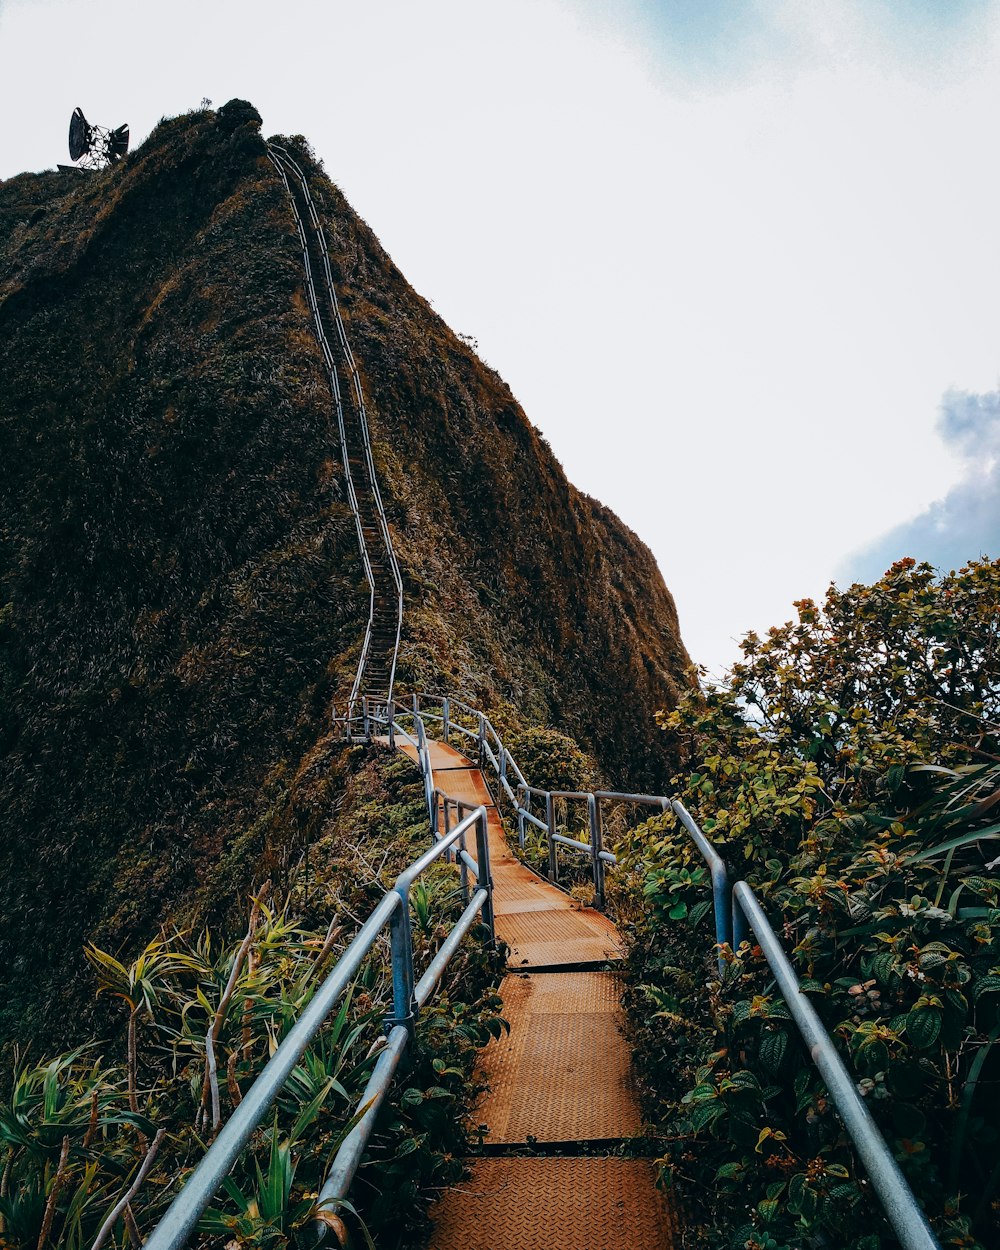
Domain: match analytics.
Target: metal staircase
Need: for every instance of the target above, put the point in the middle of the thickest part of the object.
(737, 914)
(376, 669)
(555, 1203)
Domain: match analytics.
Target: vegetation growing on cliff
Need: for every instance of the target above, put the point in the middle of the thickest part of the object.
(850, 770)
(181, 598)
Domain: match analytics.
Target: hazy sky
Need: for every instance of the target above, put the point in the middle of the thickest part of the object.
(738, 260)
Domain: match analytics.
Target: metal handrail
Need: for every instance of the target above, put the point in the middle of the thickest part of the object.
(901, 1208)
(737, 912)
(494, 752)
(409, 995)
(284, 163)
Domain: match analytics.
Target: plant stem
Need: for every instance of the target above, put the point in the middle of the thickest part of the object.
(129, 1194)
(50, 1205)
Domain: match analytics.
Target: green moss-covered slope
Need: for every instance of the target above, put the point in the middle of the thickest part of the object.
(180, 592)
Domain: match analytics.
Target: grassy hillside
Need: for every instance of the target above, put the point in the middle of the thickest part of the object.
(180, 592)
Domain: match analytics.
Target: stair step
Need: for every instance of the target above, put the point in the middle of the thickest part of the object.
(555, 1203)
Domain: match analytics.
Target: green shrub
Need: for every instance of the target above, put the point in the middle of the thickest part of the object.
(848, 769)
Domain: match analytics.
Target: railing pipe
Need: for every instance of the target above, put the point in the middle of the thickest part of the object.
(435, 970)
(348, 1157)
(904, 1214)
(512, 763)
(183, 1214)
(463, 869)
(550, 827)
(650, 800)
(407, 877)
(524, 814)
(596, 846)
(576, 843)
(485, 877)
(721, 894)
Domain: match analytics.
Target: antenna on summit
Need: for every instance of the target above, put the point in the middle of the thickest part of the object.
(95, 147)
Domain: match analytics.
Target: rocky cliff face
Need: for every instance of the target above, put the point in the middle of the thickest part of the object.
(180, 591)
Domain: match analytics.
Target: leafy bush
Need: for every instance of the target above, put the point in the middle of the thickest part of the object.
(848, 768)
(202, 1020)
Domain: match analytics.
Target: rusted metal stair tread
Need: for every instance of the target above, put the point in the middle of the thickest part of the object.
(588, 1203)
(518, 889)
(563, 1073)
(541, 939)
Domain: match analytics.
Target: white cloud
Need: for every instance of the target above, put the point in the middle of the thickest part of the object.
(965, 524)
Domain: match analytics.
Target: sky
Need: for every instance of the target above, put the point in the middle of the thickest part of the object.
(737, 259)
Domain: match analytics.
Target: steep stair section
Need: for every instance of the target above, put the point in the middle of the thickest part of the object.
(560, 1090)
(543, 926)
(377, 663)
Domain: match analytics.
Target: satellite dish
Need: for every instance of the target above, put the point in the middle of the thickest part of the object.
(79, 135)
(95, 147)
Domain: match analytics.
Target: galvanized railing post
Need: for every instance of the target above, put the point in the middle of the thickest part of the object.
(741, 930)
(463, 869)
(427, 772)
(482, 740)
(550, 824)
(364, 710)
(524, 800)
(596, 847)
(391, 714)
(446, 813)
(445, 722)
(722, 895)
(404, 1007)
(485, 879)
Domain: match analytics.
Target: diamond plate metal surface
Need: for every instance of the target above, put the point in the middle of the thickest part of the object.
(543, 938)
(563, 1075)
(542, 925)
(554, 1204)
(563, 1072)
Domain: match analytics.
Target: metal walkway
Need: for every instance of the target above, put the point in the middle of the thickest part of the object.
(542, 926)
(559, 1084)
(560, 1079)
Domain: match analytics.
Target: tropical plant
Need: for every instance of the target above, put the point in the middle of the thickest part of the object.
(90, 1152)
(850, 769)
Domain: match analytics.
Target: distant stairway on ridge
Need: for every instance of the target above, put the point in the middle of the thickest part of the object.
(377, 664)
